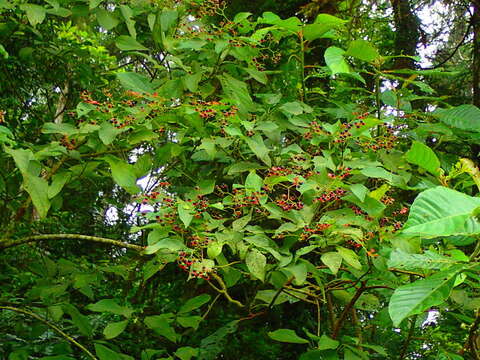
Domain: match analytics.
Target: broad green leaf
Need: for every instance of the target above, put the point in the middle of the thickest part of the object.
(107, 133)
(3, 52)
(58, 182)
(323, 23)
(35, 13)
(239, 224)
(23, 158)
(80, 321)
(123, 174)
(259, 148)
(333, 260)
(256, 263)
(172, 244)
(168, 18)
(114, 329)
(359, 190)
(62, 128)
(194, 303)
(189, 321)
(161, 325)
(106, 19)
(335, 60)
(350, 257)
(327, 342)
(253, 182)
(128, 43)
(185, 212)
(363, 50)
(463, 117)
(428, 260)
(287, 335)
(186, 353)
(104, 353)
(37, 188)
(135, 82)
(110, 306)
(415, 298)
(442, 212)
(421, 155)
(214, 249)
(237, 91)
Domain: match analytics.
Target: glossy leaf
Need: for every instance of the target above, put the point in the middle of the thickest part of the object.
(287, 335)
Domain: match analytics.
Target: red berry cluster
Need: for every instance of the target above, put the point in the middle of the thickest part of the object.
(386, 141)
(242, 200)
(315, 128)
(331, 196)
(198, 241)
(185, 263)
(278, 171)
(403, 211)
(68, 143)
(344, 173)
(310, 231)
(201, 204)
(387, 200)
(288, 203)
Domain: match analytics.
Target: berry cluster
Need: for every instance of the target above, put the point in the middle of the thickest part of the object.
(198, 241)
(70, 144)
(345, 172)
(185, 263)
(201, 204)
(242, 200)
(288, 203)
(278, 171)
(334, 195)
(310, 231)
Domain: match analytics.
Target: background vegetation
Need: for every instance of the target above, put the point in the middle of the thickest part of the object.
(239, 180)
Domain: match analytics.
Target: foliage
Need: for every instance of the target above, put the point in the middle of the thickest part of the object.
(173, 187)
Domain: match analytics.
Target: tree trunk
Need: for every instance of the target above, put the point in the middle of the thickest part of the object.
(407, 33)
(476, 53)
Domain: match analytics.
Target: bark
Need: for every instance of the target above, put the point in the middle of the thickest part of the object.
(407, 34)
(476, 53)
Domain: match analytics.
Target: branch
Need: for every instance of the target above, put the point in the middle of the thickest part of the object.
(4, 244)
(346, 310)
(470, 343)
(223, 290)
(411, 331)
(54, 327)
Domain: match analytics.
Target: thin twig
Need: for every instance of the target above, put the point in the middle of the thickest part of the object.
(54, 327)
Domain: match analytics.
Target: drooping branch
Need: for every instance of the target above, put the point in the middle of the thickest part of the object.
(29, 239)
(52, 326)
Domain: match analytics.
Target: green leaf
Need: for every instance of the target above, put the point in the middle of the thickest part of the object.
(123, 174)
(104, 353)
(189, 321)
(194, 303)
(333, 260)
(463, 117)
(161, 325)
(335, 60)
(287, 335)
(253, 182)
(185, 212)
(186, 353)
(415, 298)
(79, 320)
(62, 128)
(258, 147)
(168, 18)
(3, 52)
(106, 19)
(363, 50)
(442, 212)
(135, 82)
(35, 13)
(58, 182)
(327, 342)
(429, 260)
(256, 263)
(323, 24)
(172, 244)
(214, 249)
(237, 91)
(107, 133)
(37, 188)
(359, 190)
(127, 43)
(110, 306)
(421, 155)
(114, 329)
(350, 257)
